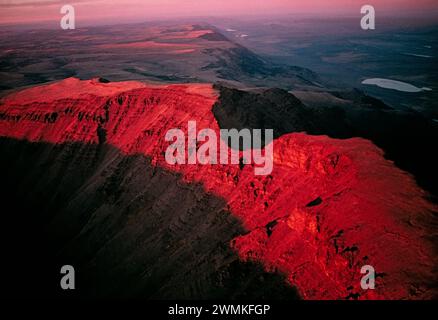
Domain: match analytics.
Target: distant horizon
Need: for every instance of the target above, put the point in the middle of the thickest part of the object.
(406, 20)
(110, 12)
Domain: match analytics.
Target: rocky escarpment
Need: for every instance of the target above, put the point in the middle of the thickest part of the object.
(406, 137)
(328, 207)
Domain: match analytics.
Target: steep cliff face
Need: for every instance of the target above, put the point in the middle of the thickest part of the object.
(328, 208)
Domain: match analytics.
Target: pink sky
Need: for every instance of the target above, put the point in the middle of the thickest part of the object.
(19, 11)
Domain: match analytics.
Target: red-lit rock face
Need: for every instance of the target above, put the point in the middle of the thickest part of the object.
(328, 208)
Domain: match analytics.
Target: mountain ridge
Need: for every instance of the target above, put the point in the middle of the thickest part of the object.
(319, 246)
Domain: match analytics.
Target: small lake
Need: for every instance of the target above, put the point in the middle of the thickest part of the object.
(394, 85)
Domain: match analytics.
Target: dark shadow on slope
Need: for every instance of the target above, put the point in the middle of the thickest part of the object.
(278, 110)
(131, 230)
